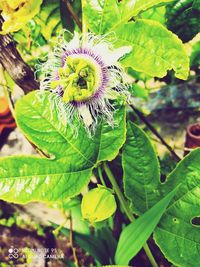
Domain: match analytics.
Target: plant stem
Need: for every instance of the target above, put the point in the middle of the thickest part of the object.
(71, 241)
(84, 24)
(118, 192)
(73, 13)
(84, 28)
(101, 176)
(126, 208)
(155, 132)
(149, 255)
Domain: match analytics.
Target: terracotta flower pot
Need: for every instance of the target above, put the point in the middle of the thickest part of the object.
(192, 137)
(7, 122)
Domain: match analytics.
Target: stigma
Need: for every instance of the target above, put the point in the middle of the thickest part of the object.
(79, 77)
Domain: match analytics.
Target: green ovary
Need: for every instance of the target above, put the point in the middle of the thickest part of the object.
(78, 78)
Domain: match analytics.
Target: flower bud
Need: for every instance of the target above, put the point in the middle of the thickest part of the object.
(98, 204)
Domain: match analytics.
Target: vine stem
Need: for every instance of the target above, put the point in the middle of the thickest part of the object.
(126, 208)
(71, 241)
(101, 176)
(84, 24)
(73, 13)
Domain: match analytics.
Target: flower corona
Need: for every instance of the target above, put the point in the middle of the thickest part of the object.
(85, 76)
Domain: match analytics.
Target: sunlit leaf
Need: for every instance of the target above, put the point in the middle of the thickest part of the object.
(176, 228)
(41, 122)
(141, 169)
(18, 13)
(136, 234)
(72, 158)
(155, 49)
(25, 178)
(49, 18)
(142, 5)
(102, 16)
(107, 15)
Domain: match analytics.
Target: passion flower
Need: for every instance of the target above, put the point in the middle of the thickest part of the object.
(17, 13)
(85, 75)
(98, 204)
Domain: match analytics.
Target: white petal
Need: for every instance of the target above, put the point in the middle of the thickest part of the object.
(74, 43)
(110, 57)
(86, 115)
(101, 49)
(117, 53)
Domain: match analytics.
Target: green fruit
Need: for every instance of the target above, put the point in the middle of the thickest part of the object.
(98, 204)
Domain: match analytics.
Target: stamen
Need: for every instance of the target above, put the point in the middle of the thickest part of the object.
(79, 78)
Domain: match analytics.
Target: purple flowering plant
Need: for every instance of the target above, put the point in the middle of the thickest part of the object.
(82, 114)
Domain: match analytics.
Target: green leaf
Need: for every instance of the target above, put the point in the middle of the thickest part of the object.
(182, 18)
(195, 55)
(155, 49)
(176, 236)
(176, 227)
(107, 15)
(91, 244)
(137, 91)
(70, 263)
(142, 5)
(99, 245)
(49, 18)
(41, 123)
(134, 236)
(155, 13)
(141, 169)
(25, 178)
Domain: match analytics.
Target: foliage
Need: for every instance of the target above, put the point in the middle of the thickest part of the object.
(134, 33)
(152, 49)
(176, 223)
(135, 234)
(57, 141)
(195, 55)
(101, 245)
(100, 17)
(183, 18)
(18, 13)
(142, 175)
